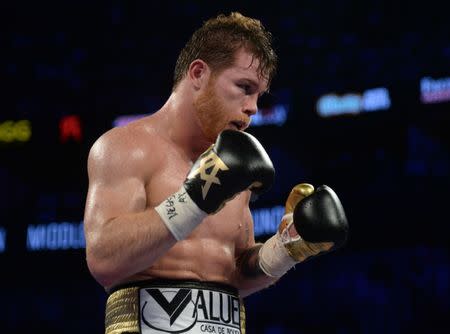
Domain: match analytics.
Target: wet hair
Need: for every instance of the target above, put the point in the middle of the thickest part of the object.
(217, 41)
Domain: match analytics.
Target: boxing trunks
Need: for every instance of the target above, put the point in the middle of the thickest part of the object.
(174, 306)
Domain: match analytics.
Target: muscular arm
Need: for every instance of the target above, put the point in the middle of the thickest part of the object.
(123, 236)
(249, 277)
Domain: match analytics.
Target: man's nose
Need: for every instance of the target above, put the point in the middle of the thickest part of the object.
(251, 106)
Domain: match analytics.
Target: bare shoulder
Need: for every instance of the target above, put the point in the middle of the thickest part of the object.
(131, 149)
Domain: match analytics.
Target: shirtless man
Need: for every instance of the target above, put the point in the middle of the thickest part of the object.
(169, 233)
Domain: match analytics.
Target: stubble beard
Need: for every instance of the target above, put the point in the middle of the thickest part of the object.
(211, 113)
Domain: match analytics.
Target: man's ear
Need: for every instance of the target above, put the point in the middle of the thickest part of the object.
(198, 73)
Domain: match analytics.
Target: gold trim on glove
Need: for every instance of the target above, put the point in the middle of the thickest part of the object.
(299, 192)
(298, 248)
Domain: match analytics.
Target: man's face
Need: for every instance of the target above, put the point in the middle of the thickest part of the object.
(230, 97)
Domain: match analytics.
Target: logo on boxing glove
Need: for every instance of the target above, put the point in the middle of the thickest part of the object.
(210, 160)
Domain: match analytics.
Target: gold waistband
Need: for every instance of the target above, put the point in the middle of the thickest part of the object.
(122, 312)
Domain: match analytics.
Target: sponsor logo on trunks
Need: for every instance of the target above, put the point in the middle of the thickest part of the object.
(188, 310)
(210, 162)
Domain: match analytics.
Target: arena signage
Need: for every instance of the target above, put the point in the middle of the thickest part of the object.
(353, 103)
(55, 236)
(434, 90)
(15, 131)
(266, 220)
(2, 239)
(275, 115)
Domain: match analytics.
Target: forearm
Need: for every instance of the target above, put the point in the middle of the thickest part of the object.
(125, 245)
(250, 277)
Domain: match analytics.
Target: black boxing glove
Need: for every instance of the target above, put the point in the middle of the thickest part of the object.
(314, 223)
(236, 162)
(320, 217)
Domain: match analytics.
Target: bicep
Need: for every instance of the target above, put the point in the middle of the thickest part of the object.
(115, 187)
(107, 200)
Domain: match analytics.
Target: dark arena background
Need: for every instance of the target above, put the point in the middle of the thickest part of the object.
(361, 103)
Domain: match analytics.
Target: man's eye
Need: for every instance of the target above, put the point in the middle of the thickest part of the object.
(245, 88)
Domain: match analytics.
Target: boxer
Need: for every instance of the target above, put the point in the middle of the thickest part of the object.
(169, 233)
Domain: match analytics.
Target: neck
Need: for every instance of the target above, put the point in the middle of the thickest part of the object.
(181, 124)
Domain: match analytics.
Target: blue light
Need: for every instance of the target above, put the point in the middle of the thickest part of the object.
(376, 99)
(2, 240)
(333, 105)
(55, 236)
(353, 103)
(125, 119)
(266, 220)
(434, 90)
(276, 115)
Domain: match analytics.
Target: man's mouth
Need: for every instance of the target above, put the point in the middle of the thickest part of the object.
(238, 125)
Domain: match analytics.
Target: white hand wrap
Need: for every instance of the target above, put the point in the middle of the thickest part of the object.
(274, 259)
(180, 214)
